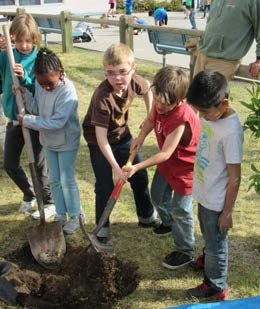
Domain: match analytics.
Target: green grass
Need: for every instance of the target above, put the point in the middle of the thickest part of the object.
(159, 288)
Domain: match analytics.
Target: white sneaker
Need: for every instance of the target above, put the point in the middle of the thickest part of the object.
(62, 218)
(73, 224)
(49, 211)
(27, 206)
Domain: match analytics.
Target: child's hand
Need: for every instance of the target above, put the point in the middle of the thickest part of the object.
(225, 221)
(3, 43)
(129, 171)
(118, 174)
(20, 119)
(18, 70)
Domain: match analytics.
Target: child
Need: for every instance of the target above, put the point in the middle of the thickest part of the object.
(55, 106)
(111, 10)
(108, 136)
(160, 16)
(216, 177)
(176, 127)
(27, 38)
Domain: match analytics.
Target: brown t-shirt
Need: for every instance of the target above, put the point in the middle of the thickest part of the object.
(109, 111)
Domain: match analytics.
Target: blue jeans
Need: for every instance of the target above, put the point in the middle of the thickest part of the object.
(192, 18)
(64, 187)
(104, 181)
(175, 210)
(216, 248)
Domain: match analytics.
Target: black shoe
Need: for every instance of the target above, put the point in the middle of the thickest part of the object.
(176, 260)
(162, 230)
(205, 291)
(155, 223)
(4, 268)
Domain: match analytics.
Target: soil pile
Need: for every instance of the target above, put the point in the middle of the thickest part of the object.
(84, 280)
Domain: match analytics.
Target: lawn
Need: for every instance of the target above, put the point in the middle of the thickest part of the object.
(159, 288)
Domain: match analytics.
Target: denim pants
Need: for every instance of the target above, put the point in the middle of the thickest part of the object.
(175, 210)
(104, 182)
(216, 248)
(192, 18)
(14, 144)
(64, 187)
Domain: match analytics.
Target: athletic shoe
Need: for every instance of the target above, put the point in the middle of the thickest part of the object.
(5, 268)
(73, 224)
(176, 260)
(204, 291)
(198, 265)
(155, 223)
(27, 206)
(162, 230)
(62, 218)
(49, 211)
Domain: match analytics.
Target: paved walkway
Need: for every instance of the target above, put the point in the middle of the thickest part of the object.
(142, 47)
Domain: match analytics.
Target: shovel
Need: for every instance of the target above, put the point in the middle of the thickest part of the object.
(92, 236)
(46, 241)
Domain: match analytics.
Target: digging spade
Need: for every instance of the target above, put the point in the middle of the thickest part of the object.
(46, 241)
(92, 236)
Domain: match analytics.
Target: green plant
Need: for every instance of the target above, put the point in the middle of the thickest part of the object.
(252, 123)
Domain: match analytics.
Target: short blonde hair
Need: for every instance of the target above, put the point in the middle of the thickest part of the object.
(25, 25)
(170, 84)
(117, 54)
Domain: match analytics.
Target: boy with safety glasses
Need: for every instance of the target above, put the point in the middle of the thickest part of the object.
(108, 136)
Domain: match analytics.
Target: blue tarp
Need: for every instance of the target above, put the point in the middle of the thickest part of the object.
(242, 303)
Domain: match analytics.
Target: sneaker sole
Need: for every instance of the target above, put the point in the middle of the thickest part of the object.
(161, 235)
(177, 266)
(208, 298)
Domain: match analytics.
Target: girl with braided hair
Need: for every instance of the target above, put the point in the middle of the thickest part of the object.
(54, 114)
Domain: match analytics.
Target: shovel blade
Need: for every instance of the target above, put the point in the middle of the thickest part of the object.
(99, 246)
(47, 244)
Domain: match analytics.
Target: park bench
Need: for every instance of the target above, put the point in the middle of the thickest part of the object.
(165, 43)
(53, 25)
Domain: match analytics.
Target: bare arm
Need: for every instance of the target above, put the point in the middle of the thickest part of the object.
(171, 142)
(254, 69)
(101, 134)
(225, 219)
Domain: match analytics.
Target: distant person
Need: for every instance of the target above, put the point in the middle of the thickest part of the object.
(206, 7)
(54, 113)
(193, 6)
(129, 7)
(229, 34)
(87, 32)
(139, 21)
(177, 128)
(185, 9)
(111, 10)
(107, 133)
(160, 16)
(217, 174)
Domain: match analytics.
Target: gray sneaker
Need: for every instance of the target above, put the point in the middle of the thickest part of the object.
(73, 224)
(62, 218)
(27, 206)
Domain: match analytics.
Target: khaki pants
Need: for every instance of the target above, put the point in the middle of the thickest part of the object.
(226, 67)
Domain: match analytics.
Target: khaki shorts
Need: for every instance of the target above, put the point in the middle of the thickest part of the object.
(226, 67)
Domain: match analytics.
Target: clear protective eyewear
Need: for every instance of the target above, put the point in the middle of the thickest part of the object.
(121, 73)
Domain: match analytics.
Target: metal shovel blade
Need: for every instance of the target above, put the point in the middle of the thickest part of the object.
(47, 244)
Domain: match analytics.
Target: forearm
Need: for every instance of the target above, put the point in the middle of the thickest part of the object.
(153, 160)
(231, 195)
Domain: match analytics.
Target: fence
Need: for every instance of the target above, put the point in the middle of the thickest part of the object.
(125, 25)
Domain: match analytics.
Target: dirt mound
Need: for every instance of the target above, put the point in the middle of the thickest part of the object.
(84, 280)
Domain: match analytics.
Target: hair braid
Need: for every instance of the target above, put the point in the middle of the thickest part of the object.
(47, 61)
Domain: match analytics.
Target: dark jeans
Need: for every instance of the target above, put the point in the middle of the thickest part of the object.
(14, 143)
(104, 180)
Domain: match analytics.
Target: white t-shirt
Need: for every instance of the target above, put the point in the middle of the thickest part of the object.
(220, 144)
